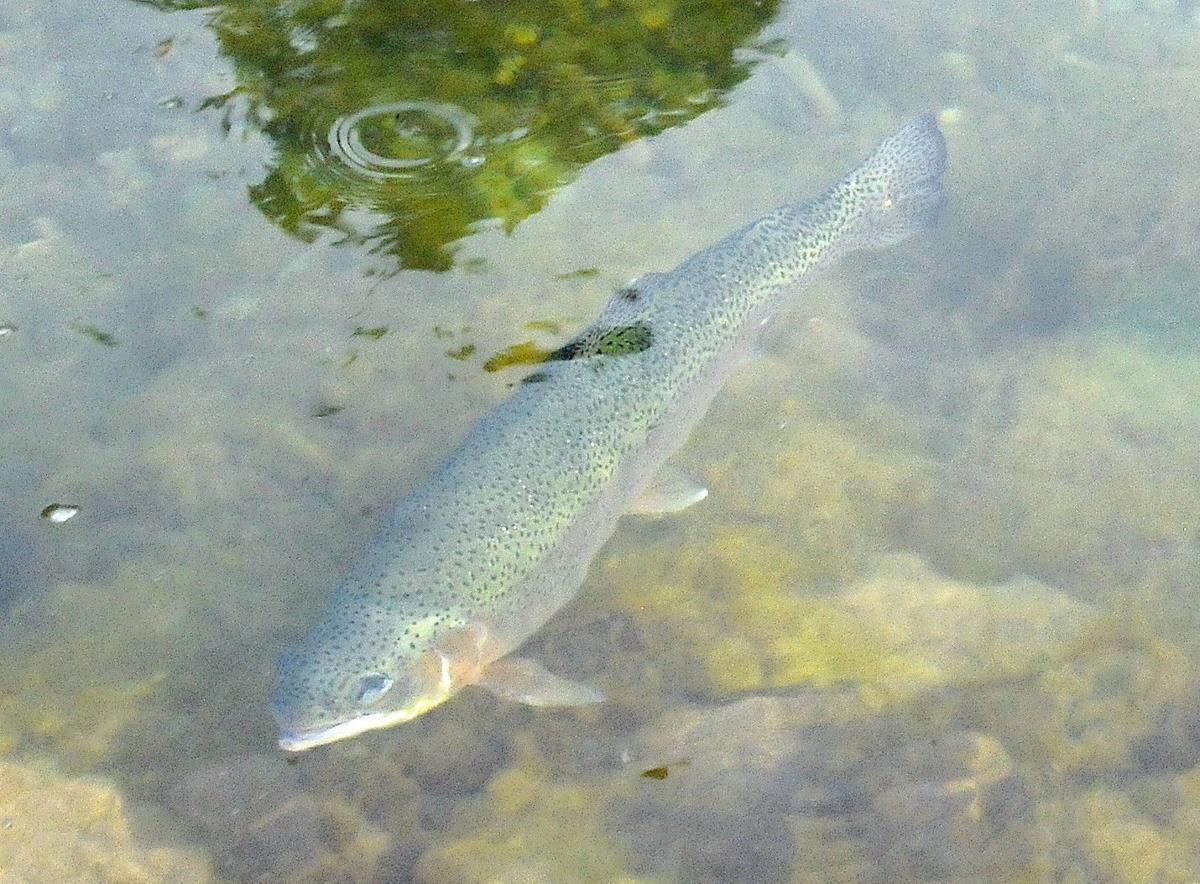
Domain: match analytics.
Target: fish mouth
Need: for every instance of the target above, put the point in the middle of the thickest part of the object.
(300, 739)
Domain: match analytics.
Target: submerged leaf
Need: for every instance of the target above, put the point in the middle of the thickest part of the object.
(374, 333)
(97, 335)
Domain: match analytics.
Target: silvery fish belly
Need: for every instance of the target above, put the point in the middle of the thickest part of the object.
(499, 538)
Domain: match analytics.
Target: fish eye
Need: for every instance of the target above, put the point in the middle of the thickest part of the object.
(373, 686)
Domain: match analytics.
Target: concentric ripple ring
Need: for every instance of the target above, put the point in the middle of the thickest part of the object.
(345, 137)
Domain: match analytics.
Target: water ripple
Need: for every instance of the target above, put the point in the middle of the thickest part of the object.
(392, 140)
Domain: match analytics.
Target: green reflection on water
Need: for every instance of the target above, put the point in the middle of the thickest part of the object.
(447, 115)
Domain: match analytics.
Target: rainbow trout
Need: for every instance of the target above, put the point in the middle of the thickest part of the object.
(475, 561)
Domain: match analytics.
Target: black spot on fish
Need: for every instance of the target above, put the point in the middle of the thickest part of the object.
(536, 378)
(630, 294)
(617, 340)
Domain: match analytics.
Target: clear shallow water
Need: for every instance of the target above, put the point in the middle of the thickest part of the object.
(935, 620)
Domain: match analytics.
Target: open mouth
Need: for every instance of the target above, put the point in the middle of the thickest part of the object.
(297, 740)
(308, 738)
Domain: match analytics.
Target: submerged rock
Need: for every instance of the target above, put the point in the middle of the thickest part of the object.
(254, 813)
(1063, 474)
(934, 630)
(754, 790)
(54, 829)
(1117, 842)
(955, 804)
(716, 807)
(532, 828)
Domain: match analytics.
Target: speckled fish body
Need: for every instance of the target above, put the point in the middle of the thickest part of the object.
(500, 536)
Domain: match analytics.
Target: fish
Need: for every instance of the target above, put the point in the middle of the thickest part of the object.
(500, 537)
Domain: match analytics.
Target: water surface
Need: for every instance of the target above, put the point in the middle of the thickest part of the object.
(261, 264)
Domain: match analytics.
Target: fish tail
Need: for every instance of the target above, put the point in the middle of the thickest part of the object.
(898, 188)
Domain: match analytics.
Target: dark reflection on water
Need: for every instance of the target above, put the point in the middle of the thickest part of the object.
(403, 127)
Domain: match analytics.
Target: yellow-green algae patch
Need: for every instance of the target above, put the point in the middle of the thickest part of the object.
(938, 630)
(906, 628)
(901, 629)
(1126, 846)
(1097, 738)
(58, 695)
(54, 828)
(530, 826)
(1101, 706)
(735, 666)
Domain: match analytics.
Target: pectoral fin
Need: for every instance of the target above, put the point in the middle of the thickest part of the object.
(526, 681)
(669, 492)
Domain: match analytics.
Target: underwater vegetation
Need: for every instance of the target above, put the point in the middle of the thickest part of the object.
(403, 128)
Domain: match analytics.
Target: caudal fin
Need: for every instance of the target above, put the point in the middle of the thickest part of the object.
(900, 185)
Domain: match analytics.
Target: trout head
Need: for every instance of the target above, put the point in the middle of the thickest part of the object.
(347, 679)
